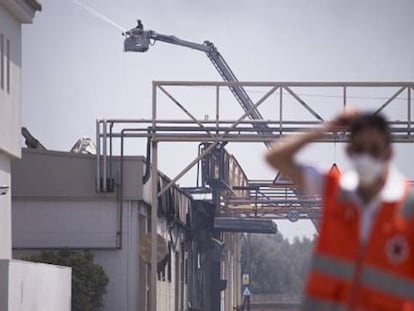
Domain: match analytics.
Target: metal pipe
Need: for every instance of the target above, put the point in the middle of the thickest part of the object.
(395, 127)
(147, 173)
(111, 125)
(121, 193)
(409, 109)
(104, 173)
(154, 206)
(397, 138)
(117, 135)
(217, 108)
(198, 167)
(280, 202)
(281, 111)
(121, 183)
(119, 233)
(251, 122)
(344, 97)
(223, 121)
(98, 157)
(223, 128)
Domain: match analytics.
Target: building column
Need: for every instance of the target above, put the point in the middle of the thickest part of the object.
(5, 208)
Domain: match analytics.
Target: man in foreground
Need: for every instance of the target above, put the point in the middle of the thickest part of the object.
(364, 255)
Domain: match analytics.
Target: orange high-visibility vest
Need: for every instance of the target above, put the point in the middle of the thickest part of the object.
(376, 275)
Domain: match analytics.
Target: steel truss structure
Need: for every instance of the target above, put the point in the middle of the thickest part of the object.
(265, 197)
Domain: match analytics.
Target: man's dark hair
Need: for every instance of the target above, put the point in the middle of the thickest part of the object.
(371, 121)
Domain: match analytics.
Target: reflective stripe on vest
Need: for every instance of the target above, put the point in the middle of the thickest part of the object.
(332, 266)
(407, 209)
(387, 282)
(315, 304)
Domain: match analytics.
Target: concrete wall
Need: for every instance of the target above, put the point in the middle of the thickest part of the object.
(231, 271)
(58, 224)
(10, 31)
(120, 265)
(5, 209)
(27, 286)
(69, 176)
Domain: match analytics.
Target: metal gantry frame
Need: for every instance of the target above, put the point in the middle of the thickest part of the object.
(238, 130)
(266, 199)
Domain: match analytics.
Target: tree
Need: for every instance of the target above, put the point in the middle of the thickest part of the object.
(89, 280)
(277, 266)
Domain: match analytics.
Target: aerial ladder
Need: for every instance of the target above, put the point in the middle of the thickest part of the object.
(139, 40)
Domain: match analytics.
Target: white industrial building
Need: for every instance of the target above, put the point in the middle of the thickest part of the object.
(56, 205)
(24, 286)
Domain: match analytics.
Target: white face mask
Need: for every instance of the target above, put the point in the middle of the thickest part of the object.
(368, 168)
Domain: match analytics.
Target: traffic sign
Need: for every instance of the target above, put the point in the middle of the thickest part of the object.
(246, 291)
(293, 215)
(246, 279)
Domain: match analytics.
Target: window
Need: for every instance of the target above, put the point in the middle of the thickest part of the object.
(8, 65)
(1, 61)
(4, 63)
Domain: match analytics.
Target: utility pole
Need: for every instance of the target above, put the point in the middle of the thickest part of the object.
(246, 276)
(249, 267)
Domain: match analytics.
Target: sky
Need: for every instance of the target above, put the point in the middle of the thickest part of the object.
(75, 70)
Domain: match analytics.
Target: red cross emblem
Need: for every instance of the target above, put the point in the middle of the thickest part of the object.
(397, 249)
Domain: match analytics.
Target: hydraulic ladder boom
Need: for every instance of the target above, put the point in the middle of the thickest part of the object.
(139, 40)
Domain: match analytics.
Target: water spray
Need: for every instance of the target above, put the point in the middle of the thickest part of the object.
(97, 14)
